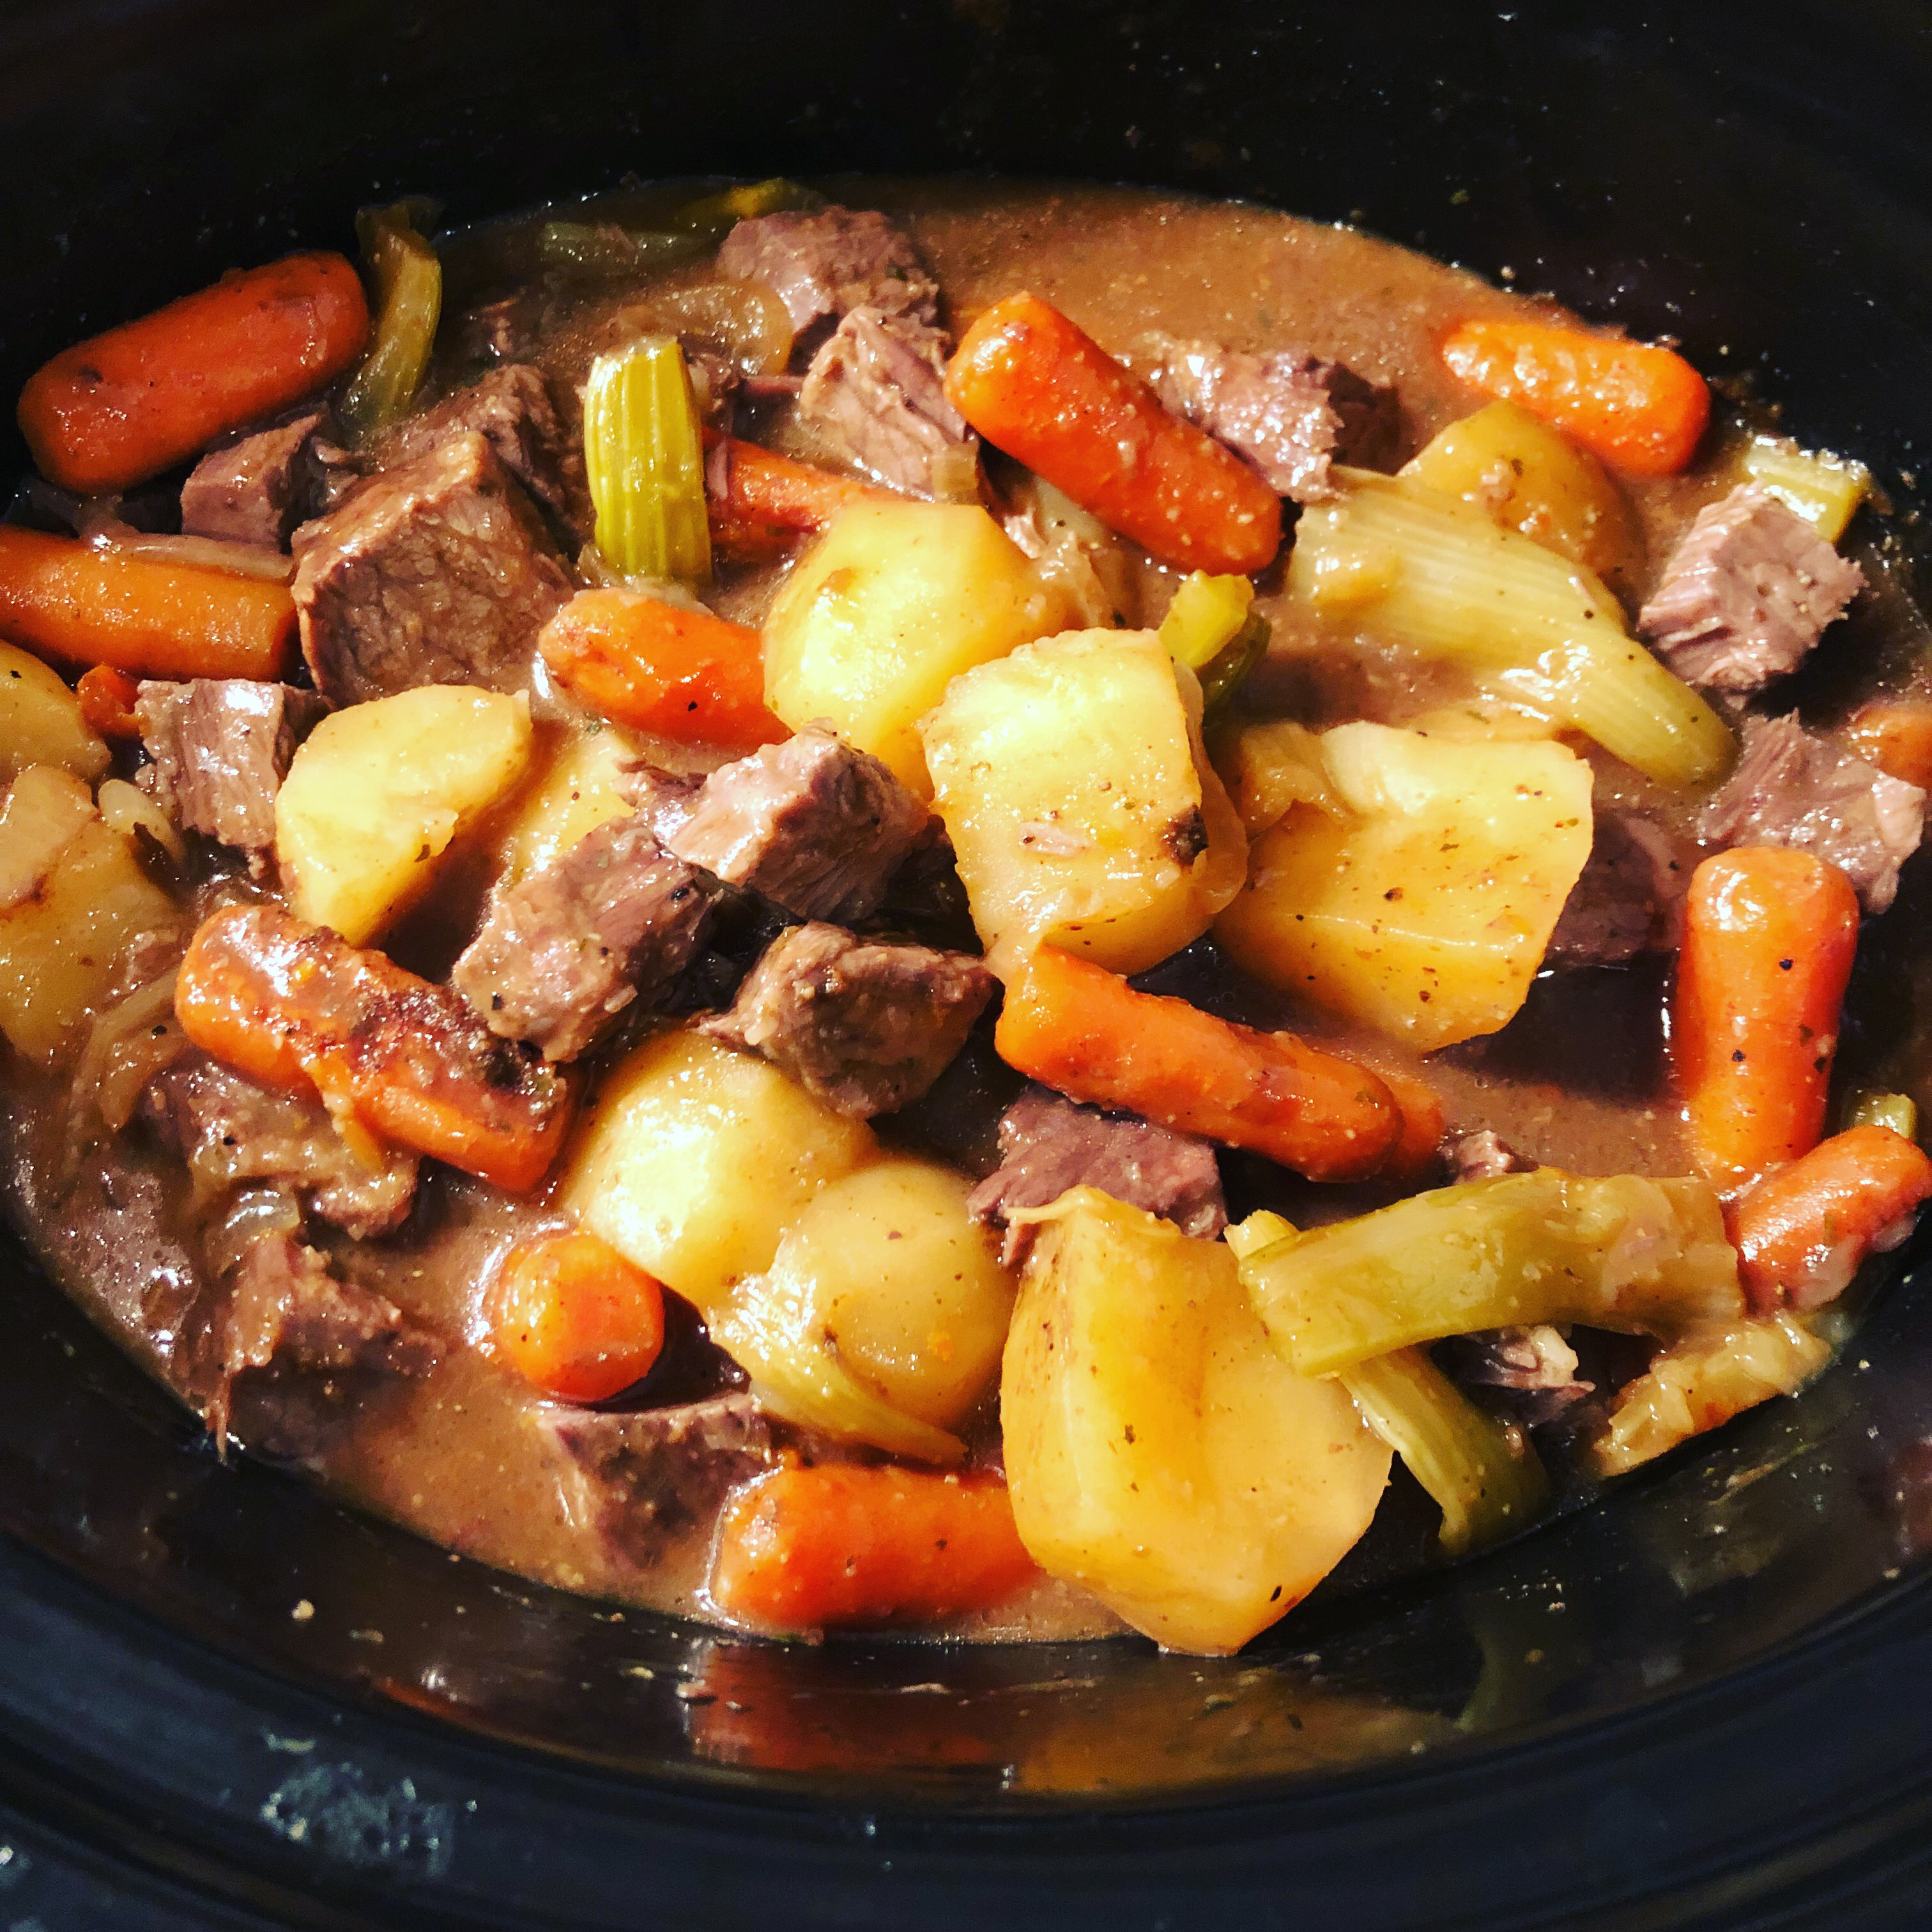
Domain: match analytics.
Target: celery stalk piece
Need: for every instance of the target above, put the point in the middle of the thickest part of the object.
(1442, 578)
(1624, 1252)
(1206, 616)
(716, 212)
(609, 249)
(1823, 489)
(1898, 1112)
(1224, 674)
(644, 452)
(408, 277)
(1262, 1229)
(1487, 1479)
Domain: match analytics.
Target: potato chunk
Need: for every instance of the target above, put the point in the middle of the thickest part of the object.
(41, 721)
(894, 602)
(1159, 1450)
(1080, 802)
(577, 790)
(694, 1160)
(378, 791)
(1425, 911)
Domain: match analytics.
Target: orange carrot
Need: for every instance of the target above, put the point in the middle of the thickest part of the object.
(809, 1549)
(1768, 936)
(1076, 1027)
(123, 406)
(1896, 735)
(575, 1318)
(1803, 1232)
(68, 600)
(1034, 385)
(1642, 408)
(1417, 1153)
(684, 674)
(769, 502)
(394, 1057)
(107, 702)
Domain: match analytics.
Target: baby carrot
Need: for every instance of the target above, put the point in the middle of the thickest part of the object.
(575, 1318)
(809, 1550)
(1803, 1232)
(397, 1058)
(107, 702)
(1075, 1026)
(1769, 936)
(124, 405)
(768, 501)
(1642, 408)
(69, 600)
(658, 666)
(1896, 735)
(1034, 385)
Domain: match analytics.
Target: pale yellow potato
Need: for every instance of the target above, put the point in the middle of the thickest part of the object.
(44, 809)
(693, 1160)
(1425, 912)
(893, 603)
(1270, 768)
(577, 790)
(41, 721)
(1159, 1450)
(1082, 807)
(376, 794)
(1529, 476)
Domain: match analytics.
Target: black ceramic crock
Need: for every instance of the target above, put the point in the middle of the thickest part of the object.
(226, 1702)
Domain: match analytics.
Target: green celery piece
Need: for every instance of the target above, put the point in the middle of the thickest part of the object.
(1622, 1252)
(644, 452)
(408, 279)
(1207, 616)
(1898, 1112)
(1225, 672)
(1488, 1485)
(713, 213)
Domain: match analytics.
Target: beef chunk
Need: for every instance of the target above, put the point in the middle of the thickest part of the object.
(875, 390)
(1749, 591)
(866, 1026)
(254, 487)
(1291, 415)
(1484, 1156)
(1790, 788)
(1534, 1369)
(438, 572)
(826, 264)
(647, 1479)
(813, 825)
(1625, 902)
(616, 919)
(1050, 1144)
(231, 1131)
(663, 800)
(511, 409)
(221, 748)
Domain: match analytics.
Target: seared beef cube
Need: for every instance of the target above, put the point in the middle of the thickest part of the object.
(829, 263)
(663, 800)
(616, 919)
(1291, 414)
(1484, 1156)
(648, 1479)
(255, 488)
(1748, 592)
(511, 409)
(867, 1026)
(876, 391)
(1790, 788)
(1624, 902)
(438, 572)
(220, 748)
(1533, 1369)
(231, 1131)
(810, 823)
(1050, 1144)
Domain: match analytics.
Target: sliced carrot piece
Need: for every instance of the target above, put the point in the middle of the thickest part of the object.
(107, 701)
(1896, 735)
(575, 1318)
(769, 502)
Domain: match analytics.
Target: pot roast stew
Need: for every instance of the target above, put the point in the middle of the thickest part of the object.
(946, 906)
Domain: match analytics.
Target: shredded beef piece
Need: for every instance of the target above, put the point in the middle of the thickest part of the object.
(876, 390)
(253, 487)
(1790, 788)
(1050, 1144)
(1750, 590)
(1534, 1366)
(811, 824)
(505, 329)
(867, 1026)
(1625, 902)
(647, 1479)
(221, 748)
(437, 572)
(616, 919)
(826, 264)
(1290, 414)
(1484, 1156)
(231, 1131)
